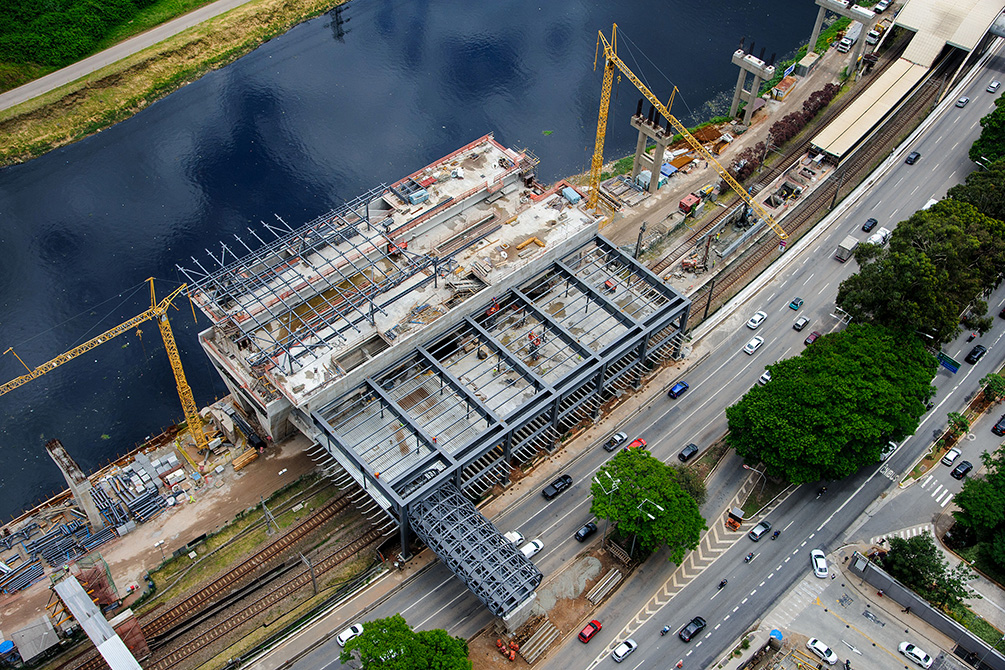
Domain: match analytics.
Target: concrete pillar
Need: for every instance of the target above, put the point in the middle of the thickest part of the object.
(748, 112)
(640, 151)
(740, 81)
(661, 147)
(80, 486)
(817, 26)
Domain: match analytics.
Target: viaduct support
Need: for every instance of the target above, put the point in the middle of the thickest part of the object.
(748, 64)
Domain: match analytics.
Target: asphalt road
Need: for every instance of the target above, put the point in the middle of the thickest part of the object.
(438, 600)
(115, 53)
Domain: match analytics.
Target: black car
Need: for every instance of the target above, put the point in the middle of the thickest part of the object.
(961, 470)
(687, 452)
(556, 487)
(869, 225)
(912, 158)
(586, 531)
(975, 354)
(695, 626)
(999, 428)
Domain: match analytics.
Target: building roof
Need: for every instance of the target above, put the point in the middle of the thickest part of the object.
(958, 23)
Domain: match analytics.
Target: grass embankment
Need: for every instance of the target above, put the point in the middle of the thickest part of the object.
(118, 91)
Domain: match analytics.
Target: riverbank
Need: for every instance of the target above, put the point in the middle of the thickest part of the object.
(120, 90)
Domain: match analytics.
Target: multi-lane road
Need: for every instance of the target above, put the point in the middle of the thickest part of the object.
(436, 599)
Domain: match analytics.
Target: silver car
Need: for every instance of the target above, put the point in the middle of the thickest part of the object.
(756, 320)
(621, 652)
(819, 563)
(753, 345)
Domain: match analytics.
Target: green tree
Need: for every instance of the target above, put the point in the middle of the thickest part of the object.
(918, 564)
(391, 644)
(981, 501)
(958, 424)
(990, 145)
(994, 386)
(643, 498)
(693, 483)
(984, 189)
(831, 410)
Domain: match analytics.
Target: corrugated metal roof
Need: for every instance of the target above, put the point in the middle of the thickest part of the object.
(844, 132)
(960, 23)
(95, 625)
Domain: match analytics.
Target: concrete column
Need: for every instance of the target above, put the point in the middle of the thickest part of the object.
(817, 25)
(640, 150)
(80, 486)
(740, 81)
(748, 113)
(661, 147)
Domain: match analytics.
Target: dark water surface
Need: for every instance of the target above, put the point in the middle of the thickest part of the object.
(330, 109)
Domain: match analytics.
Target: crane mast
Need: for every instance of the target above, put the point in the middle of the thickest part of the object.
(612, 61)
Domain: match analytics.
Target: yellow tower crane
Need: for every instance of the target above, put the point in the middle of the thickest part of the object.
(612, 61)
(158, 311)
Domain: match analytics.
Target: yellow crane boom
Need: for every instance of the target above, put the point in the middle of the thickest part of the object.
(158, 311)
(612, 61)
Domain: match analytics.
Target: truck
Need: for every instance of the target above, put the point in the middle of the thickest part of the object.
(850, 37)
(877, 31)
(846, 248)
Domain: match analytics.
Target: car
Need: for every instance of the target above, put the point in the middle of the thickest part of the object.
(951, 456)
(1002, 313)
(515, 537)
(915, 654)
(796, 303)
(687, 452)
(976, 354)
(999, 428)
(801, 323)
(881, 6)
(764, 378)
(811, 338)
(349, 633)
(589, 631)
(869, 225)
(622, 651)
(532, 548)
(586, 531)
(961, 470)
(822, 650)
(695, 626)
(753, 345)
(677, 389)
(887, 451)
(819, 563)
(993, 86)
(756, 320)
(556, 487)
(912, 158)
(615, 440)
(637, 443)
(962, 102)
(759, 531)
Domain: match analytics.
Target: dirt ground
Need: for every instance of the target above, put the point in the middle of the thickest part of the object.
(210, 507)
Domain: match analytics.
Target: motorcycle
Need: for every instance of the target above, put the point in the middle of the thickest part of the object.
(721, 584)
(666, 629)
(775, 535)
(822, 491)
(748, 557)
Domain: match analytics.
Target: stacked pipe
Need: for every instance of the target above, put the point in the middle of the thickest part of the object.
(21, 578)
(146, 505)
(97, 539)
(112, 512)
(61, 544)
(24, 533)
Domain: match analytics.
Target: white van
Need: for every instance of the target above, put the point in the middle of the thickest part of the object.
(532, 548)
(515, 537)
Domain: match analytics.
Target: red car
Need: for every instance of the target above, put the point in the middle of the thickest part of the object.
(591, 629)
(812, 338)
(636, 444)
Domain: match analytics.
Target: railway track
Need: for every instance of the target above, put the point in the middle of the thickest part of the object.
(264, 602)
(773, 172)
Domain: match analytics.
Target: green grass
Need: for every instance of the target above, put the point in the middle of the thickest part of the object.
(823, 43)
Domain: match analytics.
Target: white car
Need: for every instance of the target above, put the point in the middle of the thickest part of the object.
(951, 456)
(822, 650)
(532, 548)
(881, 6)
(764, 378)
(916, 655)
(753, 345)
(887, 451)
(756, 320)
(349, 633)
(819, 563)
(621, 652)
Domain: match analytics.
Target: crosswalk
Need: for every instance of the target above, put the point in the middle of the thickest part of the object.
(804, 594)
(905, 533)
(936, 490)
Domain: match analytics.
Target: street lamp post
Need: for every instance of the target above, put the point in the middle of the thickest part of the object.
(651, 518)
(980, 662)
(747, 467)
(160, 545)
(614, 487)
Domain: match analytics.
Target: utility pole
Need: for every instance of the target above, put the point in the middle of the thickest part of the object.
(638, 245)
(314, 580)
(269, 519)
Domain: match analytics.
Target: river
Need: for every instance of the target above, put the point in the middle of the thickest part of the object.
(337, 105)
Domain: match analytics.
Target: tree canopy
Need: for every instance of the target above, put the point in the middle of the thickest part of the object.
(391, 644)
(918, 564)
(990, 146)
(939, 263)
(981, 512)
(831, 410)
(643, 497)
(984, 189)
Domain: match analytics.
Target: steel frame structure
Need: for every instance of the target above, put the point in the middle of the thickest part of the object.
(456, 413)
